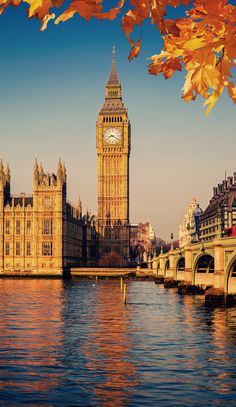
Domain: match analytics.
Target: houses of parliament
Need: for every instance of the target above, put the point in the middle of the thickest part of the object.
(43, 233)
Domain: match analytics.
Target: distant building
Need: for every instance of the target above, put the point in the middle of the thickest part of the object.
(189, 230)
(41, 233)
(142, 241)
(221, 211)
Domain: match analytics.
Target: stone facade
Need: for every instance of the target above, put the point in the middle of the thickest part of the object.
(42, 233)
(220, 214)
(113, 151)
(189, 230)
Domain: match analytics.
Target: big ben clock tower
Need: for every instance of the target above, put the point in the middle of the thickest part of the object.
(113, 151)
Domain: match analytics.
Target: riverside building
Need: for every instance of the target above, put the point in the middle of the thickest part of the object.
(41, 233)
(221, 211)
(189, 230)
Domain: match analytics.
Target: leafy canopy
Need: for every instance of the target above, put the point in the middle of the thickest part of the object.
(203, 42)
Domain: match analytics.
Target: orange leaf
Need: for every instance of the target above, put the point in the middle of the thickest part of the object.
(135, 50)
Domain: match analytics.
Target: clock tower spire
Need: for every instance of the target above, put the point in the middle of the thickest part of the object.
(113, 152)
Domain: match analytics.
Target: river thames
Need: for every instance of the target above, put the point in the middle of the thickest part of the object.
(68, 343)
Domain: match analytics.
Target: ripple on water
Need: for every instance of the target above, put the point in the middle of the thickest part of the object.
(75, 343)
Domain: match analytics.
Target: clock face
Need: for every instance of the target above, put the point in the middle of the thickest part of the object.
(112, 135)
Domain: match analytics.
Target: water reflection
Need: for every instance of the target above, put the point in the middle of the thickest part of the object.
(107, 352)
(224, 342)
(74, 343)
(29, 326)
(217, 345)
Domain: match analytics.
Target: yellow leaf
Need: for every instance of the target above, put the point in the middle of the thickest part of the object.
(45, 21)
(211, 100)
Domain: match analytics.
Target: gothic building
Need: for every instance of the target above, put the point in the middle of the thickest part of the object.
(41, 233)
(189, 230)
(220, 214)
(113, 152)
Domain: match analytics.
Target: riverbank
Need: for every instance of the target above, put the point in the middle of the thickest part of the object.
(126, 273)
(83, 272)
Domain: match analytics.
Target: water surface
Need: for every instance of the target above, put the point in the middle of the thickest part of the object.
(67, 343)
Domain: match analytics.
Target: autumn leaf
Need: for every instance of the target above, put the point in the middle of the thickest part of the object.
(88, 9)
(204, 43)
(212, 99)
(46, 20)
(135, 50)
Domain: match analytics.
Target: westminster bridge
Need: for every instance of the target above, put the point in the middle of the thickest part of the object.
(201, 264)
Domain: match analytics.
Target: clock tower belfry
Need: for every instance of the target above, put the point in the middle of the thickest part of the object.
(113, 151)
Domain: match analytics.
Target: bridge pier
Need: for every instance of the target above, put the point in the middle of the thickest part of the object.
(219, 275)
(154, 266)
(161, 271)
(170, 272)
(188, 273)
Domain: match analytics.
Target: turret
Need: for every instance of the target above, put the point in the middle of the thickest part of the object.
(36, 173)
(41, 173)
(7, 182)
(8, 174)
(79, 208)
(59, 172)
(5, 179)
(2, 175)
(64, 172)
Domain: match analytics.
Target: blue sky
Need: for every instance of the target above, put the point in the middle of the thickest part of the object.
(52, 86)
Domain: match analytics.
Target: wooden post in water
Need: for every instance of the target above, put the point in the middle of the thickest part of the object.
(124, 296)
(121, 284)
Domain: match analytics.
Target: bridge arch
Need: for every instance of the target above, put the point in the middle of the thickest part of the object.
(230, 276)
(203, 269)
(180, 268)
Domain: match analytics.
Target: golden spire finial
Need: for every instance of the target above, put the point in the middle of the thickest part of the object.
(113, 54)
(113, 79)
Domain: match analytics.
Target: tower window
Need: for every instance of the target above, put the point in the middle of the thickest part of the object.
(7, 249)
(47, 227)
(17, 227)
(7, 227)
(17, 248)
(47, 249)
(28, 249)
